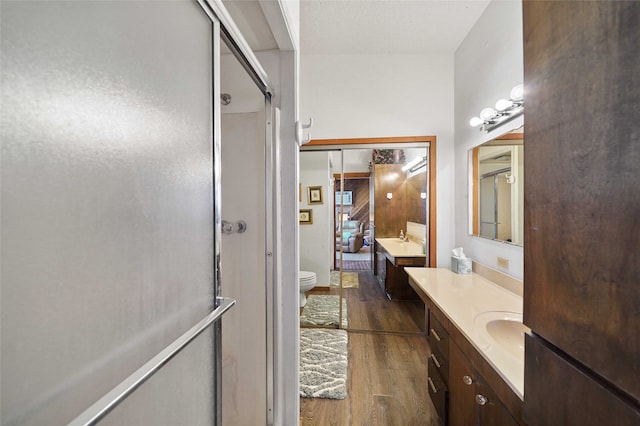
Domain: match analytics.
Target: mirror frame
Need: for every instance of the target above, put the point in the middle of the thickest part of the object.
(392, 143)
(515, 133)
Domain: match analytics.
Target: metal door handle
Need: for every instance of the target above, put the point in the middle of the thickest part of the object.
(237, 227)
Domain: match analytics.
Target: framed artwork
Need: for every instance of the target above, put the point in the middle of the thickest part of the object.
(314, 194)
(344, 198)
(306, 216)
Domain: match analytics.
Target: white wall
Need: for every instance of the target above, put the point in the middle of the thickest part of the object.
(315, 249)
(354, 96)
(488, 63)
(243, 360)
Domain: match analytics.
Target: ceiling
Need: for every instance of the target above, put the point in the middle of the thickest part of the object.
(366, 26)
(386, 26)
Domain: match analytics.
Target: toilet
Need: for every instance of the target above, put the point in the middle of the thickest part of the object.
(307, 282)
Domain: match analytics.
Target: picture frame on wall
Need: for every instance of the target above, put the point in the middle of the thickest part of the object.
(314, 195)
(306, 216)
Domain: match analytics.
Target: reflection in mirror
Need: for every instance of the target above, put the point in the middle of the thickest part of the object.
(497, 187)
(319, 283)
(345, 227)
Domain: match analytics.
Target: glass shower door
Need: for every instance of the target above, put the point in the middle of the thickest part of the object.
(110, 215)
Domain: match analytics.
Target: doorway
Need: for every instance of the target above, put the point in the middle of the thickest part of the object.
(352, 210)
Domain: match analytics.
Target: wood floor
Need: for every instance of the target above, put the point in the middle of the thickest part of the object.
(369, 309)
(387, 365)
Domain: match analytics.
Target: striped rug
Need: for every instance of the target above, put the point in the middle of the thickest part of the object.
(323, 363)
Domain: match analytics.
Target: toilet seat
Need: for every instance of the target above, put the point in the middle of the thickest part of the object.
(307, 280)
(307, 277)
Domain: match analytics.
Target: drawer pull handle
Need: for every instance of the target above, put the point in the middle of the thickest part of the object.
(435, 361)
(433, 387)
(435, 335)
(467, 380)
(481, 399)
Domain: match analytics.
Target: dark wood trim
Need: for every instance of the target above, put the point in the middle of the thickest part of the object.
(366, 141)
(353, 175)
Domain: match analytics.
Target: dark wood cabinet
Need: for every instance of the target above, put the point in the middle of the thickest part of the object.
(392, 277)
(438, 367)
(582, 233)
(491, 411)
(472, 401)
(576, 398)
(438, 391)
(459, 393)
(461, 389)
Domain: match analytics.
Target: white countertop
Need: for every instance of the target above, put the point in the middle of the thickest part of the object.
(397, 248)
(461, 298)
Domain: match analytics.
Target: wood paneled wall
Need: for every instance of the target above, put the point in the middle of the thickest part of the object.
(360, 208)
(390, 215)
(416, 206)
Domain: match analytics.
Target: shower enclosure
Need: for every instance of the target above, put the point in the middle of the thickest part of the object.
(119, 169)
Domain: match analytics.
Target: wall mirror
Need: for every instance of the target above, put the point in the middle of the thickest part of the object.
(496, 185)
(368, 191)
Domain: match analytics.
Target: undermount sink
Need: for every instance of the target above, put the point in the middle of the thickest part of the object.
(504, 330)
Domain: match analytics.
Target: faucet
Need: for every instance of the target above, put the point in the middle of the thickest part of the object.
(402, 237)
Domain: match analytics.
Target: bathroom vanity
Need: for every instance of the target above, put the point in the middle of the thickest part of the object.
(475, 331)
(392, 255)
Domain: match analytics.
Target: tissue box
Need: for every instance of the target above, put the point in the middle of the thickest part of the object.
(461, 265)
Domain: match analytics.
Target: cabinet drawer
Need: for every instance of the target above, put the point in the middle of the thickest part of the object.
(438, 391)
(410, 261)
(438, 337)
(440, 363)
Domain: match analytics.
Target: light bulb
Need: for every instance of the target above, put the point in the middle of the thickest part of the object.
(476, 121)
(503, 104)
(488, 113)
(517, 93)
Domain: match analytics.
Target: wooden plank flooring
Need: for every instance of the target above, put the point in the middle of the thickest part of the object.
(386, 385)
(387, 364)
(370, 309)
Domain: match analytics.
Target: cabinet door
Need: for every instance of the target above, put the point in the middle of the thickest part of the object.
(581, 183)
(462, 405)
(566, 395)
(491, 412)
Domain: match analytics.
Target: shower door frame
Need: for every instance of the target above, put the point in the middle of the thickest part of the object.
(223, 28)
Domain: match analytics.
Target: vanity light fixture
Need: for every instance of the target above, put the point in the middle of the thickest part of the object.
(505, 110)
(415, 164)
(389, 195)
